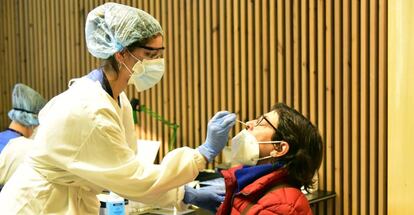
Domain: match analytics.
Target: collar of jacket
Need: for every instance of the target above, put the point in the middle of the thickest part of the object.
(256, 188)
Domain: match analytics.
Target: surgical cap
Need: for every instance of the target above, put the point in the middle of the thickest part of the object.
(26, 105)
(111, 27)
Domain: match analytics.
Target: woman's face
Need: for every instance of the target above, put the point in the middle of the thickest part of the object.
(154, 49)
(263, 131)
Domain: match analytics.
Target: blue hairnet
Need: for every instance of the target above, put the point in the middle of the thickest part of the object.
(111, 27)
(26, 105)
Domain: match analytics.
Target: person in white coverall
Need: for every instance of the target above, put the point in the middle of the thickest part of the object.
(16, 140)
(26, 104)
(85, 142)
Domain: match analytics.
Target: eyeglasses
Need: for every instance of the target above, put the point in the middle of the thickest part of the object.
(260, 120)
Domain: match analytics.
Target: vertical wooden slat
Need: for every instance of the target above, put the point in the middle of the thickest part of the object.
(215, 75)
(58, 57)
(196, 71)
(355, 155)
(330, 144)
(338, 107)
(19, 42)
(6, 102)
(265, 58)
(77, 43)
(373, 108)
(30, 41)
(221, 56)
(45, 45)
(250, 61)
(382, 105)
(289, 52)
(304, 58)
(7, 58)
(203, 86)
(3, 75)
(12, 39)
(7, 80)
(38, 44)
(273, 44)
(70, 41)
(321, 84)
(190, 80)
(2, 65)
(312, 60)
(51, 68)
(346, 106)
(243, 59)
(208, 63)
(257, 38)
(364, 171)
(237, 63)
(232, 83)
(296, 54)
(3, 80)
(281, 75)
(182, 73)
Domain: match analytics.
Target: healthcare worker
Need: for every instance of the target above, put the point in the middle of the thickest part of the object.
(13, 155)
(26, 104)
(85, 142)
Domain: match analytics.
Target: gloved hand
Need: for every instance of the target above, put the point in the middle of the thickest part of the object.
(217, 134)
(209, 197)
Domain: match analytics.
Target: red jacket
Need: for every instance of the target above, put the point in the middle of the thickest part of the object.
(267, 195)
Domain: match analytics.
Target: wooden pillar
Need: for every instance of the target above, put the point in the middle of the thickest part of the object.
(400, 107)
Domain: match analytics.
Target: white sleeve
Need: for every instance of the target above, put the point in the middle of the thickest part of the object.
(106, 160)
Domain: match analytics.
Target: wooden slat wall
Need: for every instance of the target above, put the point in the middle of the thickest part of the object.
(326, 58)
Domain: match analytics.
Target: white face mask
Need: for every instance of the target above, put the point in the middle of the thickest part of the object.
(146, 73)
(245, 149)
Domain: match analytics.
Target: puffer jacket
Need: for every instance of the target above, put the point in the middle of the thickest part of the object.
(269, 194)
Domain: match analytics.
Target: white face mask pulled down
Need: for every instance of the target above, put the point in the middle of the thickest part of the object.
(146, 73)
(245, 149)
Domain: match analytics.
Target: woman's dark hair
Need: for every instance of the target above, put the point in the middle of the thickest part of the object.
(305, 145)
(112, 61)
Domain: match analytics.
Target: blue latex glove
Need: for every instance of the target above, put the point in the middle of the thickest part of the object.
(217, 134)
(208, 198)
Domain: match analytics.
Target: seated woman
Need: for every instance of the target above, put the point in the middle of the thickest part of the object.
(278, 153)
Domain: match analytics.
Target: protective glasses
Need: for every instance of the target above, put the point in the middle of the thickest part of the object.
(154, 52)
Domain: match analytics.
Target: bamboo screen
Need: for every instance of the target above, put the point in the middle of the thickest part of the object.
(326, 58)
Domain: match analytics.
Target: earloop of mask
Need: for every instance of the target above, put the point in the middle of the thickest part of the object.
(271, 155)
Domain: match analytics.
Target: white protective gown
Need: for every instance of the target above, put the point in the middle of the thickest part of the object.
(85, 143)
(12, 156)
